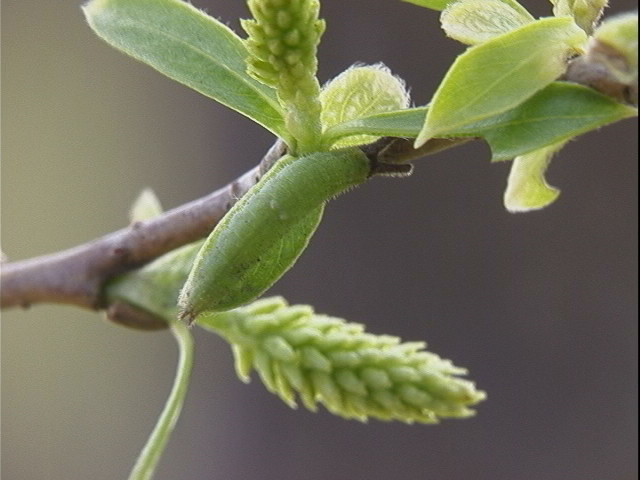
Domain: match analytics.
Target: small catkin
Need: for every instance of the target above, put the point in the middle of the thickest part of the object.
(315, 358)
(283, 41)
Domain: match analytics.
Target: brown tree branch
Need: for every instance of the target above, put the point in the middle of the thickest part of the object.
(76, 276)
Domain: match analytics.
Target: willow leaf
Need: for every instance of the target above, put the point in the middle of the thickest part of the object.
(190, 47)
(501, 73)
(558, 112)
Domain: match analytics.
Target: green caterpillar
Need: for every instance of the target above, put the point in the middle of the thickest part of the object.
(263, 234)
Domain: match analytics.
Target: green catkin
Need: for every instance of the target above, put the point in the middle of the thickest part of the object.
(283, 41)
(354, 374)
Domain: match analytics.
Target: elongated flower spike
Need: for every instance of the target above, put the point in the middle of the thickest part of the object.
(283, 41)
(354, 374)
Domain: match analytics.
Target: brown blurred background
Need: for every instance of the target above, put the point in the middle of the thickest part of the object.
(541, 307)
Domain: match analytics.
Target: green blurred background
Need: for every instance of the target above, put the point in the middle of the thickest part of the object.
(541, 307)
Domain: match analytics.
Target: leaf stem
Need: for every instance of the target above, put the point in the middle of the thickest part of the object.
(150, 455)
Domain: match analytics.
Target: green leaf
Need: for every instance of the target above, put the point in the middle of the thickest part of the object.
(499, 74)
(190, 47)
(558, 112)
(155, 286)
(361, 91)
(442, 4)
(527, 188)
(476, 21)
(616, 46)
(585, 12)
(399, 123)
(432, 4)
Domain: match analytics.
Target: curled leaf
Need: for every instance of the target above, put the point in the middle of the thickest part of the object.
(616, 46)
(527, 188)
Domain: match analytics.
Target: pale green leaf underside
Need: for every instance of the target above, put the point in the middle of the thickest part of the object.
(500, 74)
(527, 188)
(190, 47)
(558, 112)
(476, 21)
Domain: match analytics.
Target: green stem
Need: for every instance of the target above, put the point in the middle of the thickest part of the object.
(152, 451)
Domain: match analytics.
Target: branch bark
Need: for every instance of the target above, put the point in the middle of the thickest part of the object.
(76, 276)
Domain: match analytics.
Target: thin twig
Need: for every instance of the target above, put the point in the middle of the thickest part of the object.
(75, 276)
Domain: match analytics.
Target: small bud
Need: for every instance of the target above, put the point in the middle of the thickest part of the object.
(585, 13)
(146, 206)
(527, 188)
(615, 44)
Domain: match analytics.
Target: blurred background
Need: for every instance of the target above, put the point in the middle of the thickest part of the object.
(541, 307)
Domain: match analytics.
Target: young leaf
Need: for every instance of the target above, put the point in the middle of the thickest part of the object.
(263, 235)
(499, 74)
(190, 47)
(558, 112)
(615, 44)
(476, 21)
(399, 123)
(360, 92)
(146, 206)
(586, 13)
(155, 286)
(355, 374)
(527, 188)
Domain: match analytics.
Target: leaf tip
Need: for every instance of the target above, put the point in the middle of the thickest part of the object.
(91, 7)
(423, 137)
